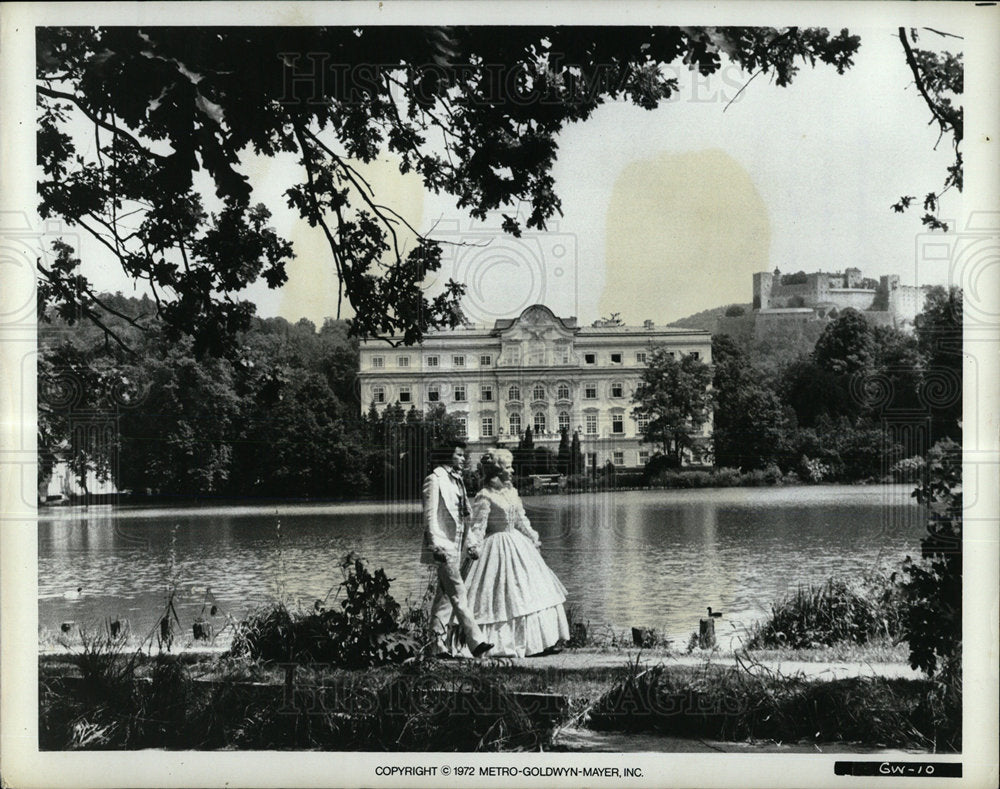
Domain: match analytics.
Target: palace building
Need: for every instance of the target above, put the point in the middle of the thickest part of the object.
(534, 370)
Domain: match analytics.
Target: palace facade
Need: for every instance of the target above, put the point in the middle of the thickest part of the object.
(534, 370)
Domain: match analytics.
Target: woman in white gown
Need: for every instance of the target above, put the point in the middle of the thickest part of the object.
(516, 599)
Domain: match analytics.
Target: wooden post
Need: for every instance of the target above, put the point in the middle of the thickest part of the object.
(706, 633)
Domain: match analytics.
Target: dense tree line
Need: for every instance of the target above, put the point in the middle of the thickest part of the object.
(858, 403)
(864, 399)
(284, 420)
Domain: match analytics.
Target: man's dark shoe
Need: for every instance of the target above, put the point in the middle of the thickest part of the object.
(481, 649)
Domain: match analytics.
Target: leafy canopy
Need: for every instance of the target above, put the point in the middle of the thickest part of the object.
(940, 80)
(145, 136)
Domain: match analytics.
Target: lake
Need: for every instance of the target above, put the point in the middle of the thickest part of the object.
(633, 558)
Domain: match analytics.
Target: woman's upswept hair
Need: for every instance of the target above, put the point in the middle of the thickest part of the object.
(490, 462)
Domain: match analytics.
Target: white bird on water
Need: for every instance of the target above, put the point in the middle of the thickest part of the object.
(74, 595)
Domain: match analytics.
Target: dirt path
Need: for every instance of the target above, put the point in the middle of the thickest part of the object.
(578, 660)
(583, 659)
(589, 741)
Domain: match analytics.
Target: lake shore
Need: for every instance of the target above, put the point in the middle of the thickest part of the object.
(155, 505)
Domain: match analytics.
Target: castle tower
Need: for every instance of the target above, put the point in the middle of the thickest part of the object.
(763, 282)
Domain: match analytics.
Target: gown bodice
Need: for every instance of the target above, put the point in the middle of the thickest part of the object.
(500, 510)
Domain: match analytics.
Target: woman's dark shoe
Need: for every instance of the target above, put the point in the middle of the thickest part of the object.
(552, 650)
(481, 649)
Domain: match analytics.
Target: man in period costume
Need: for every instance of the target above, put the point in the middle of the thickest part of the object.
(446, 526)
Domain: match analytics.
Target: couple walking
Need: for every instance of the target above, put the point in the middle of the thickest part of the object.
(491, 577)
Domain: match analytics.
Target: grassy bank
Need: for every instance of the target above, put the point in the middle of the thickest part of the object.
(165, 703)
(211, 703)
(733, 703)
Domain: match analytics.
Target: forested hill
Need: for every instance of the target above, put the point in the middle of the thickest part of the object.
(706, 319)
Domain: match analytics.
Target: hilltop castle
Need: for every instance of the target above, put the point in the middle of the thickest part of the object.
(782, 300)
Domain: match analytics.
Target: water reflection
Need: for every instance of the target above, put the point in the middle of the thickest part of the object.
(653, 559)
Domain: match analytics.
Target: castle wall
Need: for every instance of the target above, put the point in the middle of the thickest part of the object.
(858, 298)
(823, 293)
(906, 301)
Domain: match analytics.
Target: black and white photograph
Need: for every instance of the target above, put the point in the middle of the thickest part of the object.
(467, 394)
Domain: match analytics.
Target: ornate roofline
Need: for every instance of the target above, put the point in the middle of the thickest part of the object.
(503, 324)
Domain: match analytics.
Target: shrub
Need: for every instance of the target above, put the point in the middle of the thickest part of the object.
(754, 479)
(933, 586)
(659, 464)
(772, 474)
(727, 477)
(365, 631)
(696, 479)
(814, 470)
(908, 469)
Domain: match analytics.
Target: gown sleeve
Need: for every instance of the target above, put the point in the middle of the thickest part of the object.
(480, 516)
(523, 525)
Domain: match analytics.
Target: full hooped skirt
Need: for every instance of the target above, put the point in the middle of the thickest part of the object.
(516, 599)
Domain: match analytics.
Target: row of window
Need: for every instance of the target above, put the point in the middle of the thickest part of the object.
(539, 424)
(459, 392)
(457, 360)
(486, 360)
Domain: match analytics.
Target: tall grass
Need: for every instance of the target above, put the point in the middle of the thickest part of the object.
(413, 708)
(736, 704)
(832, 613)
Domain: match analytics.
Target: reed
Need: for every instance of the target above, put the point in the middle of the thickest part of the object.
(831, 613)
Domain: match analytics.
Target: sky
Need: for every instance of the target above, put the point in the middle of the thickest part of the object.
(670, 211)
